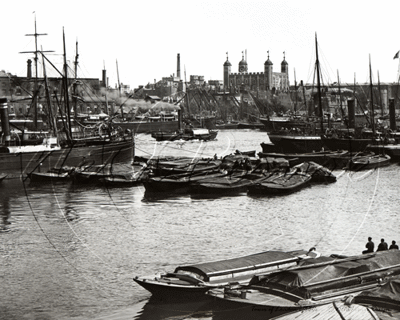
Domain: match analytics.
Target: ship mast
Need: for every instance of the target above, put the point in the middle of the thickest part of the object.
(340, 96)
(75, 82)
(295, 92)
(319, 85)
(36, 72)
(372, 101)
(119, 91)
(52, 120)
(66, 97)
(380, 95)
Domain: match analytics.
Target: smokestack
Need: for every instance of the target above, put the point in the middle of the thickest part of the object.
(178, 68)
(351, 105)
(104, 78)
(5, 125)
(392, 114)
(29, 73)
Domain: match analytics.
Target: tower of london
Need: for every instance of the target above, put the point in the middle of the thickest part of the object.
(262, 81)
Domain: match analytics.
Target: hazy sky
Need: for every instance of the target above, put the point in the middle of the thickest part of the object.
(145, 37)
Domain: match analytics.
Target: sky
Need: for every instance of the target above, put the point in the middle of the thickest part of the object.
(143, 38)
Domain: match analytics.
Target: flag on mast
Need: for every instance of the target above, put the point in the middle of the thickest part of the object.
(396, 55)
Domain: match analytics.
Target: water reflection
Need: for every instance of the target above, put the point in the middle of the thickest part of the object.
(5, 214)
(205, 308)
(157, 196)
(158, 309)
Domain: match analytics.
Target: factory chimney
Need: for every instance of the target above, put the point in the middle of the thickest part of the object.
(29, 73)
(178, 68)
(5, 126)
(104, 78)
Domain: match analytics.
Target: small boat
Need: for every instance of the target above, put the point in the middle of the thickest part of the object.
(93, 175)
(48, 176)
(314, 283)
(183, 169)
(120, 182)
(127, 180)
(179, 183)
(317, 172)
(321, 157)
(367, 162)
(280, 183)
(55, 174)
(96, 174)
(194, 280)
(187, 134)
(221, 185)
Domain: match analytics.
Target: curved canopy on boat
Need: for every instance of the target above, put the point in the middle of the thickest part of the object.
(218, 268)
(388, 293)
(320, 273)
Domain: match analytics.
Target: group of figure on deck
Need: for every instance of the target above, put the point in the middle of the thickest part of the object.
(381, 247)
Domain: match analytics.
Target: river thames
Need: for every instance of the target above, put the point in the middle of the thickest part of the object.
(71, 250)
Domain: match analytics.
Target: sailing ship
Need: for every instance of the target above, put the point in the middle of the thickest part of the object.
(356, 139)
(58, 147)
(299, 139)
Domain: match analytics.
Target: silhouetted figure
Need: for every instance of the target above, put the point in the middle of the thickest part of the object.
(313, 253)
(394, 246)
(382, 246)
(370, 246)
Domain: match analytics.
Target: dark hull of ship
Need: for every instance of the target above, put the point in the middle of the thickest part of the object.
(296, 144)
(173, 136)
(147, 127)
(277, 123)
(19, 165)
(352, 145)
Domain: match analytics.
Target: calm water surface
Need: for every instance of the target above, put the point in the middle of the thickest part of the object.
(72, 251)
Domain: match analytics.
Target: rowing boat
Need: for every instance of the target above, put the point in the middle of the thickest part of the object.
(196, 279)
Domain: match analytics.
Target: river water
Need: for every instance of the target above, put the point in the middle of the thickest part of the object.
(71, 251)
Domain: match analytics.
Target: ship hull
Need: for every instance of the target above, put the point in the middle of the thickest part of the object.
(296, 144)
(19, 165)
(147, 127)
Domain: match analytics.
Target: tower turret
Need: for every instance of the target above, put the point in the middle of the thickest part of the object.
(227, 71)
(268, 66)
(243, 64)
(284, 65)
